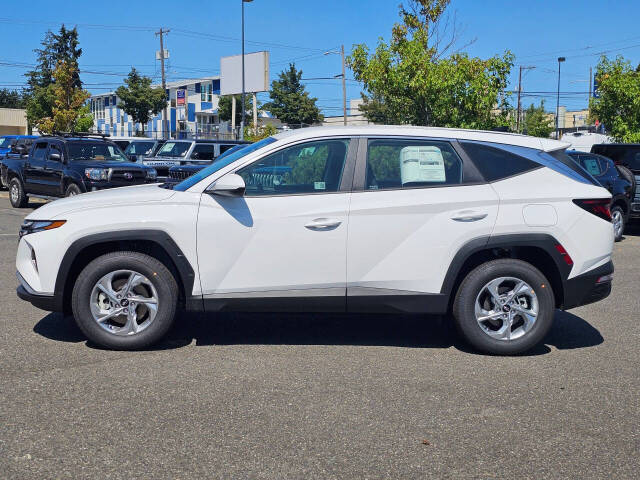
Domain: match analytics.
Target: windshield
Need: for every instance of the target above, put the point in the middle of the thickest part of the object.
(222, 162)
(98, 151)
(5, 142)
(174, 149)
(139, 148)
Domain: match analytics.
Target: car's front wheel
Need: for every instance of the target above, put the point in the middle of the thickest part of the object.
(72, 190)
(125, 300)
(504, 307)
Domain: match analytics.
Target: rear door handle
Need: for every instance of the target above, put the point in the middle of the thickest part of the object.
(469, 217)
(323, 224)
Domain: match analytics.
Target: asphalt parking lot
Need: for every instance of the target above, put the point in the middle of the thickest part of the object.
(319, 396)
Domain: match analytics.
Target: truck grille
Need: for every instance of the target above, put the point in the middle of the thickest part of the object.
(179, 175)
(637, 192)
(128, 176)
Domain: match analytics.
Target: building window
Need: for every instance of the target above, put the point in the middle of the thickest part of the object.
(206, 92)
(97, 108)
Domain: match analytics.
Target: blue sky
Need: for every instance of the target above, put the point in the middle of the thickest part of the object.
(115, 38)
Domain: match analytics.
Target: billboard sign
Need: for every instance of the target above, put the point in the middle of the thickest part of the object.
(181, 97)
(256, 68)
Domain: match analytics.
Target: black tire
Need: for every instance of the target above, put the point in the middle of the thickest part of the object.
(627, 175)
(618, 233)
(72, 190)
(156, 273)
(17, 197)
(464, 306)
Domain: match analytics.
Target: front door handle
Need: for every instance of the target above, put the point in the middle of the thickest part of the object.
(469, 217)
(323, 224)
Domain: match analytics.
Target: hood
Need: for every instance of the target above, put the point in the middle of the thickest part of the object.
(99, 164)
(115, 196)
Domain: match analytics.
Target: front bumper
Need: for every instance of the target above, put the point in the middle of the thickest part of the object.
(50, 303)
(585, 289)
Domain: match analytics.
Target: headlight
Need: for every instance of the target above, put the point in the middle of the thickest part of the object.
(96, 173)
(35, 226)
(152, 174)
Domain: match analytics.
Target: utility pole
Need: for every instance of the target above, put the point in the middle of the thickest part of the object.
(165, 128)
(344, 87)
(590, 85)
(560, 60)
(519, 112)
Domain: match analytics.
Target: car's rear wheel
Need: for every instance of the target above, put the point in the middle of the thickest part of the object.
(72, 190)
(504, 307)
(617, 218)
(17, 196)
(125, 300)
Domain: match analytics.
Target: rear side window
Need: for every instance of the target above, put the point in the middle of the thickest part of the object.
(495, 164)
(203, 151)
(591, 164)
(399, 163)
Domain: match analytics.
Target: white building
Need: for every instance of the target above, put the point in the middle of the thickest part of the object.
(192, 111)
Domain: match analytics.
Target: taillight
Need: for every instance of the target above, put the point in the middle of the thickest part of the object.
(600, 207)
(565, 255)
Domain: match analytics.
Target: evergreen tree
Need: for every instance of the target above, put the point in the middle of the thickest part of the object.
(290, 102)
(139, 99)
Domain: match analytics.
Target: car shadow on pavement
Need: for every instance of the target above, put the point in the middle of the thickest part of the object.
(632, 230)
(568, 332)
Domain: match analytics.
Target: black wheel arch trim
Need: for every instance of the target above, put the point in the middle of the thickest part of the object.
(159, 237)
(543, 241)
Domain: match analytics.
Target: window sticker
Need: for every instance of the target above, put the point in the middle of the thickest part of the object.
(421, 164)
(319, 185)
(591, 165)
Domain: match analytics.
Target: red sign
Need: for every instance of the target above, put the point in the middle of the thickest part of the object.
(181, 97)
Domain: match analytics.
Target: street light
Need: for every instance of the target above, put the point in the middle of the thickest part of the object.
(560, 60)
(243, 108)
(344, 81)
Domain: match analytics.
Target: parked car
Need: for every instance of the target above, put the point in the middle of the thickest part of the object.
(182, 152)
(627, 157)
(8, 141)
(123, 142)
(178, 173)
(19, 144)
(605, 171)
(495, 228)
(63, 166)
(137, 150)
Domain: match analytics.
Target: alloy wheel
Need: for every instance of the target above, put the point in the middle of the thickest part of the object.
(15, 193)
(506, 308)
(618, 223)
(124, 302)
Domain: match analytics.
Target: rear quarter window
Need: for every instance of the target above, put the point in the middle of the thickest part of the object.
(495, 164)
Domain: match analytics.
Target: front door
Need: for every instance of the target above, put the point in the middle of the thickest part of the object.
(418, 205)
(282, 246)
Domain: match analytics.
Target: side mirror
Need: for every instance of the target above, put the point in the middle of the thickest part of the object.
(231, 185)
(21, 149)
(54, 157)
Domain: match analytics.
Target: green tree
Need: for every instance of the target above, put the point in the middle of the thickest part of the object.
(618, 102)
(414, 79)
(69, 101)
(290, 102)
(264, 131)
(139, 99)
(225, 108)
(56, 48)
(537, 122)
(11, 99)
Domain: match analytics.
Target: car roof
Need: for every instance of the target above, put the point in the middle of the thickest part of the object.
(545, 144)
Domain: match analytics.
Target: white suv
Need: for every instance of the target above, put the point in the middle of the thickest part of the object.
(497, 229)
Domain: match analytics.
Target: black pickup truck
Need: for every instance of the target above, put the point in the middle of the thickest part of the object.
(70, 164)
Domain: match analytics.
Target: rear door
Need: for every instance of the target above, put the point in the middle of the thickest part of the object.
(35, 176)
(415, 203)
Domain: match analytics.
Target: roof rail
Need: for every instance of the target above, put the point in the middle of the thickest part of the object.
(80, 134)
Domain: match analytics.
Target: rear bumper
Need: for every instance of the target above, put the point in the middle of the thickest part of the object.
(585, 289)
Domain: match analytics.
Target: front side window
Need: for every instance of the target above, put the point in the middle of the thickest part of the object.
(314, 167)
(591, 164)
(174, 149)
(203, 152)
(40, 151)
(53, 148)
(97, 151)
(399, 163)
